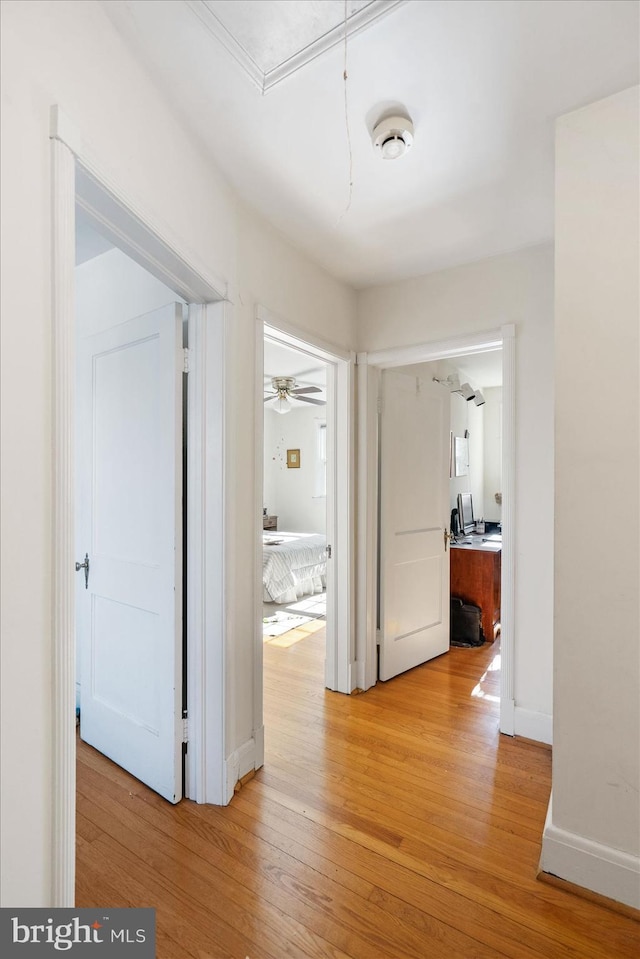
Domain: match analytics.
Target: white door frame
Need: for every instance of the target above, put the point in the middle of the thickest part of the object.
(78, 176)
(340, 655)
(369, 366)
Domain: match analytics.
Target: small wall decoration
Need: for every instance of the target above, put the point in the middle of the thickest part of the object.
(293, 459)
(461, 455)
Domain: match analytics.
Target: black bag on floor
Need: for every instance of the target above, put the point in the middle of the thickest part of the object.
(466, 625)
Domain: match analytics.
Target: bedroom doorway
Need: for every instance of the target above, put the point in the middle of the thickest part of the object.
(294, 513)
(304, 465)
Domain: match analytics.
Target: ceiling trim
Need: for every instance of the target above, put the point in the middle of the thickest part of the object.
(265, 81)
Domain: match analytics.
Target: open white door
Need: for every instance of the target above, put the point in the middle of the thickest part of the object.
(129, 616)
(414, 522)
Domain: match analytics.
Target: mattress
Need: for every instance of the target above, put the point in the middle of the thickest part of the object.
(293, 565)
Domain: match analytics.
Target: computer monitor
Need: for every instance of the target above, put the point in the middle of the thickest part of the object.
(465, 513)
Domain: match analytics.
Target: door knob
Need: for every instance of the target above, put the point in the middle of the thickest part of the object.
(85, 567)
(447, 537)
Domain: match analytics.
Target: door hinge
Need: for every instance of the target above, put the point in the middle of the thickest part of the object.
(328, 552)
(186, 367)
(185, 729)
(379, 402)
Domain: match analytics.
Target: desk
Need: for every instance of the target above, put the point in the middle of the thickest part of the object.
(475, 578)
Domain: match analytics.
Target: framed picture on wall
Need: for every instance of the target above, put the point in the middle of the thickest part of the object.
(293, 459)
(461, 455)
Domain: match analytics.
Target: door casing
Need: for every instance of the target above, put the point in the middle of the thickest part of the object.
(340, 674)
(369, 366)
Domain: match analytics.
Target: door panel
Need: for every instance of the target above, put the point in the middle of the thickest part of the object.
(414, 511)
(129, 619)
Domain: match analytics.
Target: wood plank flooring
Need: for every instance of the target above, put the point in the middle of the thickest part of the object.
(393, 825)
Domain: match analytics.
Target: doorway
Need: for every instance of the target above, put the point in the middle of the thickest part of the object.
(370, 367)
(131, 434)
(333, 431)
(294, 520)
(445, 447)
(78, 181)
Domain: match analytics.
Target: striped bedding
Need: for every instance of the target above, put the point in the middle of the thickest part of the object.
(293, 565)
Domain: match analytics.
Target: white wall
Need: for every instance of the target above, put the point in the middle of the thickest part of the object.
(292, 492)
(112, 288)
(593, 833)
(68, 53)
(485, 455)
(516, 288)
(492, 416)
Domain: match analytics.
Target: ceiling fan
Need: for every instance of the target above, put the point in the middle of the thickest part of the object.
(284, 388)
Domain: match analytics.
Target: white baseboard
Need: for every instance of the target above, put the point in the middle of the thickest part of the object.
(507, 715)
(532, 725)
(242, 761)
(606, 871)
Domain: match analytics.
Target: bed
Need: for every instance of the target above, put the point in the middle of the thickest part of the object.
(293, 565)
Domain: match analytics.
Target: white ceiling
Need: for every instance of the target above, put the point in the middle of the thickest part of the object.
(273, 40)
(481, 370)
(483, 81)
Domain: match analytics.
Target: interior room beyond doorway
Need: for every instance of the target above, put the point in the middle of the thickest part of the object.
(294, 514)
(474, 385)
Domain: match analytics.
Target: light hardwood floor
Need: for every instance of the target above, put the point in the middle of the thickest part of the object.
(393, 825)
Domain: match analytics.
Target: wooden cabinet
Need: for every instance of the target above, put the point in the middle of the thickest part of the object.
(475, 578)
(270, 522)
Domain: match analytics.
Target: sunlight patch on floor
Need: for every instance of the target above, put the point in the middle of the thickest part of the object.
(295, 635)
(311, 605)
(478, 692)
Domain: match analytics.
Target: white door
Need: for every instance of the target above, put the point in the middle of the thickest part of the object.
(129, 618)
(414, 522)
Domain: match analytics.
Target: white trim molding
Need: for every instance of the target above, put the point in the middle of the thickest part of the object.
(368, 380)
(300, 339)
(508, 582)
(132, 228)
(206, 618)
(602, 869)
(533, 725)
(242, 760)
(442, 350)
(63, 804)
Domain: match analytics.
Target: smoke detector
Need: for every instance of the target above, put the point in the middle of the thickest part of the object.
(393, 137)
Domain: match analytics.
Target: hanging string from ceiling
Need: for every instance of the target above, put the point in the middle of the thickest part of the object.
(345, 77)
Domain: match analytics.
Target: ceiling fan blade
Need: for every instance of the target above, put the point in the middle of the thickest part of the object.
(272, 397)
(305, 389)
(307, 399)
